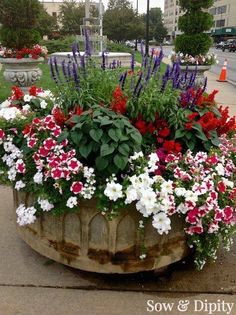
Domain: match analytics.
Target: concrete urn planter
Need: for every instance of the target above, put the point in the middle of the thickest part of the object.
(200, 77)
(22, 72)
(87, 240)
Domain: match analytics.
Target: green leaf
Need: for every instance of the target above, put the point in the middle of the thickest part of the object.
(191, 144)
(136, 136)
(120, 161)
(85, 149)
(105, 121)
(101, 163)
(106, 149)
(112, 134)
(197, 126)
(180, 133)
(76, 137)
(96, 134)
(124, 149)
(202, 136)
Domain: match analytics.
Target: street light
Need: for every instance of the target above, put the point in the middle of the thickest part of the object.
(147, 29)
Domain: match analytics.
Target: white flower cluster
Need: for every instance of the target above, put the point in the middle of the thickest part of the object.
(45, 204)
(153, 195)
(89, 187)
(25, 215)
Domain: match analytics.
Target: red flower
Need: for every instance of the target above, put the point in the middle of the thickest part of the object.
(165, 132)
(141, 126)
(188, 126)
(17, 93)
(118, 103)
(221, 187)
(33, 90)
(172, 147)
(76, 187)
(59, 116)
(2, 134)
(78, 110)
(192, 116)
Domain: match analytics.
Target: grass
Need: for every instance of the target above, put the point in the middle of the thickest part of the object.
(46, 82)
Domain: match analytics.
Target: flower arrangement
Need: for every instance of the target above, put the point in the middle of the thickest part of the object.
(123, 137)
(186, 59)
(36, 52)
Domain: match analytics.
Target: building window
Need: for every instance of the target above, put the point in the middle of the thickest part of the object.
(220, 23)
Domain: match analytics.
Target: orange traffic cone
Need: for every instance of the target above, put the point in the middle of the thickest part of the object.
(223, 74)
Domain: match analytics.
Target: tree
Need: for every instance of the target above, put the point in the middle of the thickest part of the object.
(71, 16)
(157, 29)
(121, 22)
(194, 23)
(46, 24)
(19, 20)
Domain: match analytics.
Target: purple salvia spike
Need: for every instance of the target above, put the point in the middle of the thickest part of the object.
(53, 75)
(139, 90)
(148, 74)
(205, 85)
(103, 65)
(74, 51)
(75, 75)
(87, 43)
(138, 83)
(124, 79)
(132, 62)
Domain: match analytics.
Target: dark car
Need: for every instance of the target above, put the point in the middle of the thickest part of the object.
(230, 45)
(220, 45)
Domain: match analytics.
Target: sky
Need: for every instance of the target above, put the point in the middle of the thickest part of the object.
(143, 4)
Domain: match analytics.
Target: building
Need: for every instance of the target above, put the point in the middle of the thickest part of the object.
(223, 11)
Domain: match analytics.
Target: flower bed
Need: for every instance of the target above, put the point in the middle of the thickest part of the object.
(125, 138)
(36, 52)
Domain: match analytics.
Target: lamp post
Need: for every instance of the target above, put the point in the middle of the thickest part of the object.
(147, 29)
(136, 41)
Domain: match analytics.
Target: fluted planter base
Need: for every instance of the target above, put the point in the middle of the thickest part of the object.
(200, 76)
(22, 72)
(86, 240)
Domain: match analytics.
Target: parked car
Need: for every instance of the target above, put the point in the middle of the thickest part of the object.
(230, 45)
(220, 45)
(130, 44)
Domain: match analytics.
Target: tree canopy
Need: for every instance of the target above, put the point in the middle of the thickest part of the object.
(121, 22)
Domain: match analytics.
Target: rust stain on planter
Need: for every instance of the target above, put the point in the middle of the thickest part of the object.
(67, 250)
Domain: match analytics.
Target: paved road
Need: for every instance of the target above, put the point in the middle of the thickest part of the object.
(221, 56)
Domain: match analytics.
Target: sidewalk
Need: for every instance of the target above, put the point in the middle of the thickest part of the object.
(30, 284)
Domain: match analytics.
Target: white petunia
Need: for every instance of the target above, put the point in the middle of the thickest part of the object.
(162, 223)
(45, 204)
(10, 113)
(220, 169)
(38, 178)
(27, 98)
(113, 191)
(180, 191)
(43, 104)
(131, 194)
(25, 215)
(72, 202)
(19, 185)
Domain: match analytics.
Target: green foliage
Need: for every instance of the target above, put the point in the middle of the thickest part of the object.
(104, 139)
(57, 45)
(46, 23)
(195, 5)
(194, 23)
(19, 19)
(71, 16)
(121, 22)
(156, 25)
(193, 44)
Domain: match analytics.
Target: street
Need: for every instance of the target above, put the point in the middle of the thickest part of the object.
(221, 56)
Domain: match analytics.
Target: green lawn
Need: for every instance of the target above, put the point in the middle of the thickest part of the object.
(46, 81)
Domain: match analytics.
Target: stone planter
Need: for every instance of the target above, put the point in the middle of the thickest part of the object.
(88, 241)
(22, 72)
(200, 77)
